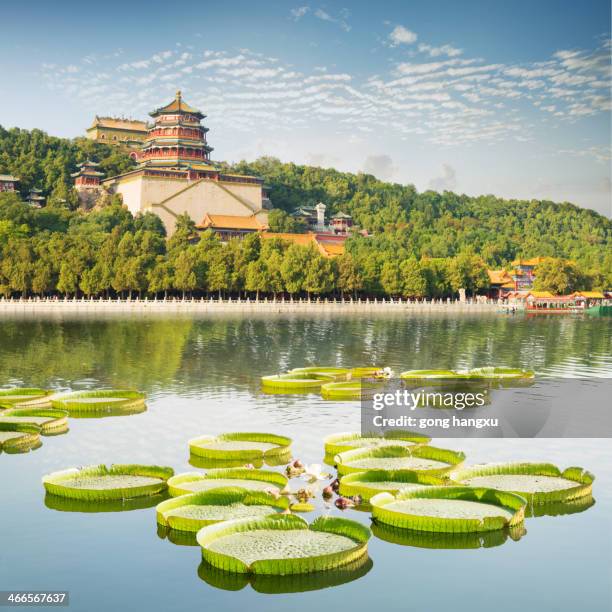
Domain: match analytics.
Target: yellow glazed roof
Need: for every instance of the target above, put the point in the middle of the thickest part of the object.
(231, 222)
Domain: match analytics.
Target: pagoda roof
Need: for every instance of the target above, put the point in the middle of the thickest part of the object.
(88, 163)
(326, 248)
(8, 177)
(341, 215)
(499, 277)
(177, 106)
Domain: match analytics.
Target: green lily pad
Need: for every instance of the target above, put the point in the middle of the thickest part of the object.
(18, 395)
(107, 402)
(50, 420)
(368, 484)
(240, 446)
(539, 483)
(338, 443)
(423, 458)
(449, 509)
(283, 544)
(98, 482)
(192, 512)
(244, 478)
(19, 437)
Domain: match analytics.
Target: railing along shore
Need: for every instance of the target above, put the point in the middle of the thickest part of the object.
(263, 305)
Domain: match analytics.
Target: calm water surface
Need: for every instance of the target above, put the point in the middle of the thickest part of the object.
(201, 376)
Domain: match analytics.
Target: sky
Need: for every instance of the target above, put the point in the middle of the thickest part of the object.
(477, 97)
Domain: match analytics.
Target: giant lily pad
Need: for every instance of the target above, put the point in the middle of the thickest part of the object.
(19, 437)
(67, 504)
(449, 509)
(105, 402)
(422, 458)
(476, 374)
(251, 480)
(283, 544)
(340, 442)
(18, 395)
(539, 483)
(98, 482)
(192, 512)
(50, 420)
(350, 389)
(368, 484)
(295, 381)
(240, 446)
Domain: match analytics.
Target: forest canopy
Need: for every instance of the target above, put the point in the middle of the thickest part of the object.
(418, 244)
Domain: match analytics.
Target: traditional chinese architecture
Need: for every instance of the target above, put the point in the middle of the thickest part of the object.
(523, 273)
(314, 219)
(327, 244)
(500, 282)
(35, 198)
(118, 131)
(87, 182)
(231, 226)
(7, 182)
(176, 175)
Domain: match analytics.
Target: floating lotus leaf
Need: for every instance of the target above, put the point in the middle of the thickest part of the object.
(422, 458)
(192, 512)
(294, 583)
(368, 484)
(295, 381)
(50, 420)
(436, 540)
(17, 395)
(19, 437)
(101, 483)
(350, 390)
(340, 442)
(179, 538)
(283, 544)
(326, 371)
(107, 402)
(449, 509)
(240, 446)
(244, 478)
(66, 504)
(365, 372)
(476, 374)
(539, 483)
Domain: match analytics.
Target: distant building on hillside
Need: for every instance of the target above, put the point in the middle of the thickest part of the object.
(523, 273)
(177, 176)
(87, 182)
(118, 131)
(7, 182)
(35, 198)
(314, 219)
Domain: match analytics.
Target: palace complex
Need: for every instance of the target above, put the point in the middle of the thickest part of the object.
(175, 175)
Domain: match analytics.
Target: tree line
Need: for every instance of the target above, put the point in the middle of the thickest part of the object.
(419, 244)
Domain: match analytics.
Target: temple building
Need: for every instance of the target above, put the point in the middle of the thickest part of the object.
(35, 198)
(314, 219)
(175, 175)
(7, 182)
(87, 182)
(118, 131)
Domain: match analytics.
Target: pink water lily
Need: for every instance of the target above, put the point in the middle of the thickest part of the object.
(314, 472)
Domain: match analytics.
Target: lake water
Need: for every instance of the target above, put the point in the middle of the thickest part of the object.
(201, 376)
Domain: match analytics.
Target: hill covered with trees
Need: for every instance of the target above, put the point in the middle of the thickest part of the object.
(421, 244)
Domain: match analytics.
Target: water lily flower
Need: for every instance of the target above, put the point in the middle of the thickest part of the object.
(313, 472)
(273, 492)
(304, 495)
(249, 466)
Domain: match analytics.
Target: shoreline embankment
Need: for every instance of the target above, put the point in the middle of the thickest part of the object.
(240, 306)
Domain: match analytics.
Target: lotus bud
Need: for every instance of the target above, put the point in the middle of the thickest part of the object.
(298, 464)
(328, 492)
(357, 500)
(335, 485)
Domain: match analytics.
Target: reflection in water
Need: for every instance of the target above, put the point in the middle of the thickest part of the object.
(180, 538)
(428, 539)
(64, 504)
(295, 583)
(574, 506)
(126, 410)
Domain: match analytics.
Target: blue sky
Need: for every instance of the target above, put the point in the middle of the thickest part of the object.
(510, 98)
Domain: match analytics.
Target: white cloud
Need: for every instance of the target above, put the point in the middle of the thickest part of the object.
(401, 36)
(299, 12)
(447, 50)
(341, 20)
(381, 166)
(446, 182)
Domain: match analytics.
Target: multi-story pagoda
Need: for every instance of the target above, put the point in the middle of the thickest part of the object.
(87, 176)
(176, 175)
(177, 138)
(35, 198)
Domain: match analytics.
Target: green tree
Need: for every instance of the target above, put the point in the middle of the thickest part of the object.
(557, 276)
(414, 283)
